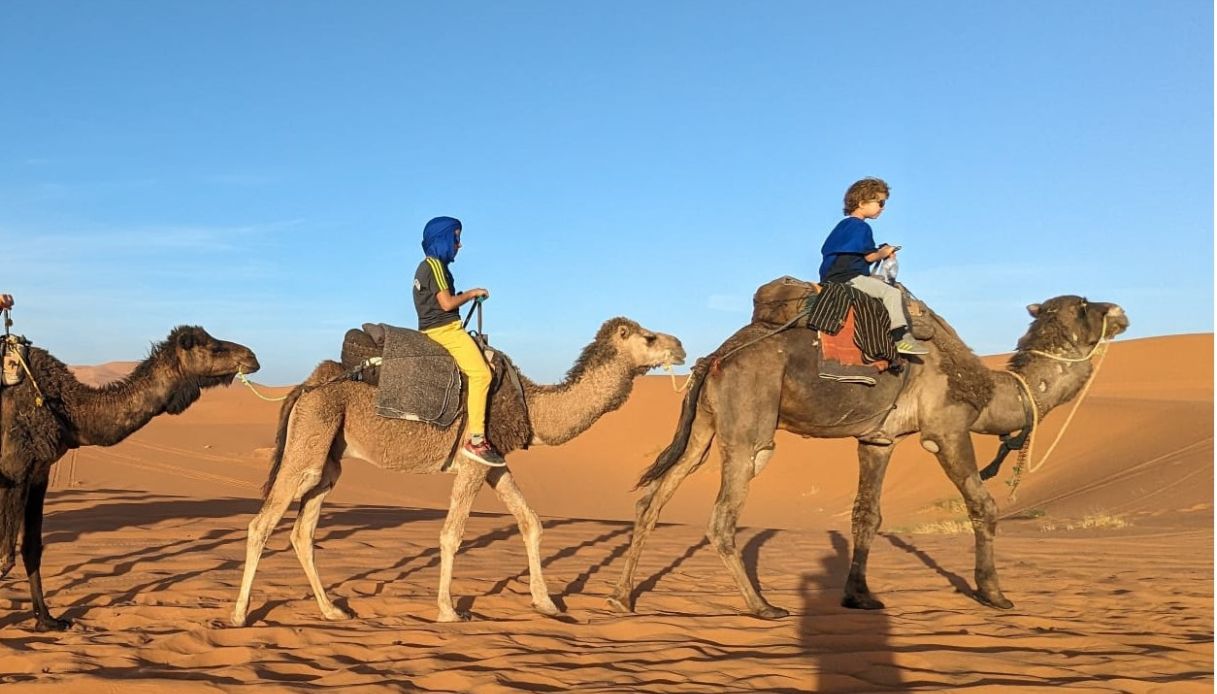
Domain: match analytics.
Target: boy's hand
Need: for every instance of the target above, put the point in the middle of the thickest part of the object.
(886, 251)
(6, 301)
(479, 292)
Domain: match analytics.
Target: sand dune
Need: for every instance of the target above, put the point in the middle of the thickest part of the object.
(1107, 552)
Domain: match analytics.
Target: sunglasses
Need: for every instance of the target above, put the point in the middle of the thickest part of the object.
(882, 203)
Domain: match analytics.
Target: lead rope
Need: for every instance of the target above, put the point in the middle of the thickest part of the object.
(667, 366)
(15, 347)
(249, 384)
(1024, 454)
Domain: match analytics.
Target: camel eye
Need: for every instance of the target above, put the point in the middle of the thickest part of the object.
(649, 338)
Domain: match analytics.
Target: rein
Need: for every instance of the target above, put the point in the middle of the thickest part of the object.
(14, 344)
(1024, 441)
(667, 366)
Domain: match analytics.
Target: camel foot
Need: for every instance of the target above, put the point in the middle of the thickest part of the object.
(861, 601)
(547, 608)
(238, 619)
(620, 603)
(771, 612)
(999, 601)
(52, 624)
(453, 616)
(334, 613)
(338, 615)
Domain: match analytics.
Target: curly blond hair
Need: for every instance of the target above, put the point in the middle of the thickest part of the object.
(864, 191)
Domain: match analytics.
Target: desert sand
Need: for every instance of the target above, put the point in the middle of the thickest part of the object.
(1107, 552)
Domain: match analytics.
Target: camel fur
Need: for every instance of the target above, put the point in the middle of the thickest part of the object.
(941, 397)
(73, 414)
(319, 425)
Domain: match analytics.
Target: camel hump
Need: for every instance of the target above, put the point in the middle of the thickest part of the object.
(777, 302)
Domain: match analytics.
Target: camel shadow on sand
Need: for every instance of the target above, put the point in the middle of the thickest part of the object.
(102, 511)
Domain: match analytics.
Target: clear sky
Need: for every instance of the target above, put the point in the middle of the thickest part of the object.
(265, 169)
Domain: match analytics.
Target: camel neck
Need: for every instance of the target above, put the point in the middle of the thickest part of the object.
(561, 412)
(106, 415)
(1052, 383)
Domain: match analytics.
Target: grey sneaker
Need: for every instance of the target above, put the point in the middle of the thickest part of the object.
(910, 345)
(483, 452)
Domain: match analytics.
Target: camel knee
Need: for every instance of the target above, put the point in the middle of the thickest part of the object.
(259, 529)
(722, 533)
(644, 502)
(866, 520)
(302, 540)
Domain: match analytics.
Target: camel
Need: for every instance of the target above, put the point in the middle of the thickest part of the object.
(946, 394)
(319, 426)
(35, 433)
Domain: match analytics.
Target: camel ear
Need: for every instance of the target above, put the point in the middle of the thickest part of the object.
(186, 340)
(623, 331)
(1033, 309)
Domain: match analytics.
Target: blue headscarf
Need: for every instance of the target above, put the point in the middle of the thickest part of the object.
(439, 238)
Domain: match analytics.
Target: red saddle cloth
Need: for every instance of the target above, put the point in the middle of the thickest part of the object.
(841, 347)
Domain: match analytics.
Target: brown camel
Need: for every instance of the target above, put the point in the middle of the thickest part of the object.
(944, 395)
(34, 436)
(318, 427)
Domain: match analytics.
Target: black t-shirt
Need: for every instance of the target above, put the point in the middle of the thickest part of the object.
(430, 279)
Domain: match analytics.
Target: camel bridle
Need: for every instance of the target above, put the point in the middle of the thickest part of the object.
(1028, 435)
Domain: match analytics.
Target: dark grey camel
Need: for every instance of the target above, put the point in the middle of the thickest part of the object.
(33, 437)
(945, 395)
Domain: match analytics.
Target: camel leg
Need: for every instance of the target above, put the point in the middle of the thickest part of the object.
(469, 479)
(738, 467)
(872, 466)
(530, 528)
(648, 508)
(31, 554)
(958, 459)
(302, 538)
(260, 527)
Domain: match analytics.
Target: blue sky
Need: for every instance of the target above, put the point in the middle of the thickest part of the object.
(265, 169)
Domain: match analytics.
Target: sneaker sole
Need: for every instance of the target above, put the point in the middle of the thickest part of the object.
(483, 461)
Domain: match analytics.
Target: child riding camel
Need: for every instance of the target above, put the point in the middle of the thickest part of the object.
(850, 249)
(438, 307)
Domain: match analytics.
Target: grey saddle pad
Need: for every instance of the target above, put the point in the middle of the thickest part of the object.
(418, 378)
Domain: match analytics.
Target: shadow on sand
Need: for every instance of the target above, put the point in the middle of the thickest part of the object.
(850, 650)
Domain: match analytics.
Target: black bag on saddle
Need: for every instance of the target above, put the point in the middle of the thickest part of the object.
(416, 377)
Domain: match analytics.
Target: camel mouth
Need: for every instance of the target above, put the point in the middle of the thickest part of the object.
(670, 358)
(1116, 325)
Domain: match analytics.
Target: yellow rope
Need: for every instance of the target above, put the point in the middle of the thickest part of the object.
(249, 384)
(1076, 405)
(667, 366)
(1024, 455)
(16, 348)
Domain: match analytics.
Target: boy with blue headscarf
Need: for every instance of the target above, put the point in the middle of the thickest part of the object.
(438, 306)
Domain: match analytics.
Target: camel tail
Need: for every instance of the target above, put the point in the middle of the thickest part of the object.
(285, 413)
(671, 454)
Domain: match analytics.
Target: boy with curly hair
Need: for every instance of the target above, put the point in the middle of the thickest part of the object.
(850, 249)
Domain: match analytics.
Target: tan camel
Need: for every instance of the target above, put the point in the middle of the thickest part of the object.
(772, 384)
(318, 427)
(72, 415)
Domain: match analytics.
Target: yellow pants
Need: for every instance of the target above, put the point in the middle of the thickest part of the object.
(472, 364)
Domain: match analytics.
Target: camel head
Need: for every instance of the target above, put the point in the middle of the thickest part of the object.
(207, 360)
(642, 348)
(1072, 321)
